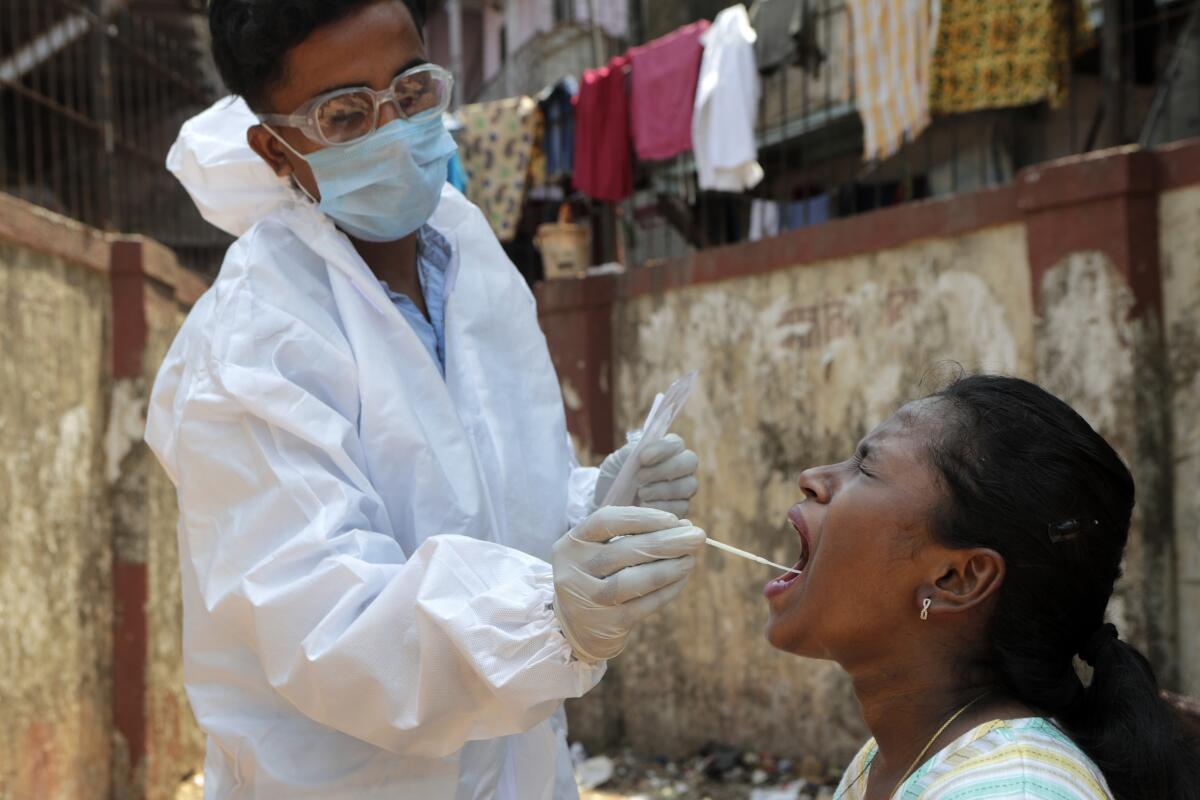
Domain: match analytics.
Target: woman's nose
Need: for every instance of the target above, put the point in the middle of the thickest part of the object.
(816, 484)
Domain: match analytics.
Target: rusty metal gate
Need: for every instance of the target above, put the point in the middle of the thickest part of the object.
(92, 94)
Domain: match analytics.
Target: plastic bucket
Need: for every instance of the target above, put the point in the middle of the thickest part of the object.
(564, 247)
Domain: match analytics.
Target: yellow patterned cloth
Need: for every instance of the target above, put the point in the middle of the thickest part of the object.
(497, 149)
(1004, 53)
(537, 161)
(893, 46)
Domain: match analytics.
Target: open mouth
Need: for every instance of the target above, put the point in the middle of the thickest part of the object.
(804, 553)
(804, 547)
(781, 584)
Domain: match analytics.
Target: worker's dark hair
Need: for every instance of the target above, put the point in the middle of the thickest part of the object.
(251, 37)
(1028, 477)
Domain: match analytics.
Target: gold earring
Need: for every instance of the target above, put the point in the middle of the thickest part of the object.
(925, 608)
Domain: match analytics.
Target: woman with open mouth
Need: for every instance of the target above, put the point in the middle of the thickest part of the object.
(958, 567)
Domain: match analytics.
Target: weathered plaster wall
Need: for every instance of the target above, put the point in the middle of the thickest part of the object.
(157, 741)
(796, 365)
(174, 742)
(1093, 229)
(55, 531)
(536, 16)
(91, 703)
(1179, 215)
(1086, 356)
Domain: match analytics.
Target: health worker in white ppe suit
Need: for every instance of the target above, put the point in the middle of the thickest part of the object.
(393, 569)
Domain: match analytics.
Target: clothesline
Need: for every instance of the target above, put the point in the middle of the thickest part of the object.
(697, 90)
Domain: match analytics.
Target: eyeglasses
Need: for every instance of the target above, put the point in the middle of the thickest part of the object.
(346, 116)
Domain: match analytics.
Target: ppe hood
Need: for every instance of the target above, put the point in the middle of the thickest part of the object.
(232, 187)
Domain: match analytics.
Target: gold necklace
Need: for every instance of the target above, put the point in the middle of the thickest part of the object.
(920, 756)
(917, 760)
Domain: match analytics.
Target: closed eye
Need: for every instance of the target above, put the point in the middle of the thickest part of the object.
(860, 457)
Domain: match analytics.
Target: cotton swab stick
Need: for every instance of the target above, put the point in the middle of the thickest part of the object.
(750, 556)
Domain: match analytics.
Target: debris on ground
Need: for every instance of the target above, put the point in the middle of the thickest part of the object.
(717, 772)
(594, 772)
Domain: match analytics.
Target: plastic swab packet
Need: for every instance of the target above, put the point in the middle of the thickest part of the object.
(666, 408)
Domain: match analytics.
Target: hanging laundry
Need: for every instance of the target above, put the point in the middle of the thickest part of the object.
(538, 172)
(893, 53)
(558, 110)
(663, 91)
(805, 213)
(497, 146)
(787, 35)
(764, 219)
(727, 105)
(1003, 53)
(603, 143)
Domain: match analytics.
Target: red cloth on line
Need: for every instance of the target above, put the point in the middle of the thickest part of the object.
(665, 73)
(603, 160)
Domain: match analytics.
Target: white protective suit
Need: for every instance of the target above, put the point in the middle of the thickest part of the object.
(364, 545)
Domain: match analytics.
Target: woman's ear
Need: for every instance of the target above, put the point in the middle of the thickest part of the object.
(968, 579)
(269, 150)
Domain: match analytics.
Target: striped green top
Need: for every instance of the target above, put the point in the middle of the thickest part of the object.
(1023, 758)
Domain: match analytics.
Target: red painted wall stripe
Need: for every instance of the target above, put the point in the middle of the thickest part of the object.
(130, 650)
(130, 583)
(128, 309)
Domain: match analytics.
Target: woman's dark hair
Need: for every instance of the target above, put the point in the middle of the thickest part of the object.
(1028, 477)
(251, 37)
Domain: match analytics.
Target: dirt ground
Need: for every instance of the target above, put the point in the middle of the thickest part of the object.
(720, 774)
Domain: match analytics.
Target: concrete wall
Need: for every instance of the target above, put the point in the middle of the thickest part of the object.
(55, 597)
(808, 340)
(541, 50)
(175, 744)
(1180, 216)
(1093, 229)
(91, 625)
(544, 60)
(537, 16)
(155, 726)
(1086, 356)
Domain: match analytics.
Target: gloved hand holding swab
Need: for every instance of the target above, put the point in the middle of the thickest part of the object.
(666, 407)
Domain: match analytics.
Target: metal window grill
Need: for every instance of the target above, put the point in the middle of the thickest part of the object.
(1136, 79)
(92, 96)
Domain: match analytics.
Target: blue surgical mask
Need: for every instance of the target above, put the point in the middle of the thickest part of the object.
(388, 185)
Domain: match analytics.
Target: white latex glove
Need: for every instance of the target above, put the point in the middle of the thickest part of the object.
(604, 585)
(666, 479)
